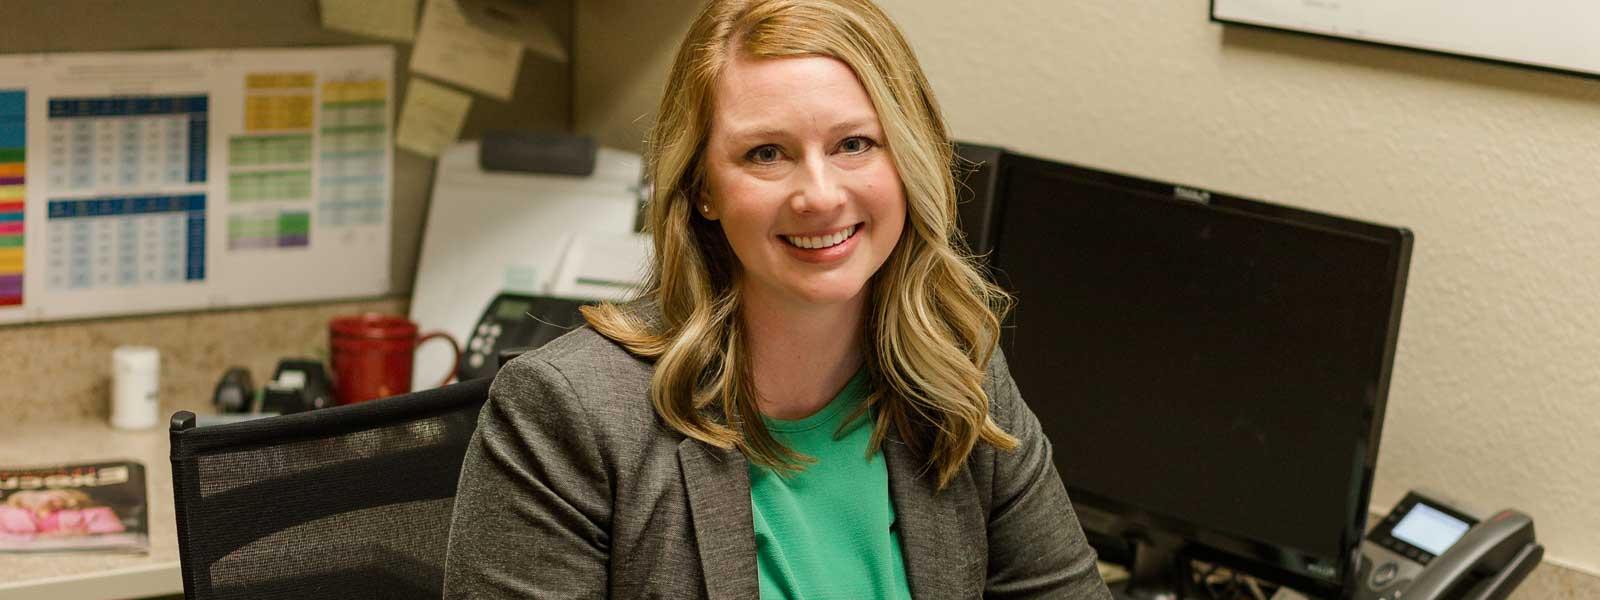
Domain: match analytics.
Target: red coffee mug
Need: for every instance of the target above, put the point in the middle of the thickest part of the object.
(372, 354)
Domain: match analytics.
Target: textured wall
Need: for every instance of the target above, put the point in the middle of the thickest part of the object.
(55, 372)
(1496, 393)
(621, 54)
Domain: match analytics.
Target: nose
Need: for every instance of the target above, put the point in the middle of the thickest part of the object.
(818, 189)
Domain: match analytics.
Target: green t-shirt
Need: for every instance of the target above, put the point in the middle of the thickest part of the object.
(825, 532)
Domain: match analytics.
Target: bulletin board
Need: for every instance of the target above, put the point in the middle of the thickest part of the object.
(137, 182)
(1562, 35)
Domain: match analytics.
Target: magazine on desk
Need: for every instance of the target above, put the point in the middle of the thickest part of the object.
(83, 506)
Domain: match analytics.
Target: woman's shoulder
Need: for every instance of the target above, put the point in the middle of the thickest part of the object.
(581, 377)
(1002, 390)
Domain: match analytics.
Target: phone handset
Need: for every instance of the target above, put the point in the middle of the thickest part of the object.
(1493, 556)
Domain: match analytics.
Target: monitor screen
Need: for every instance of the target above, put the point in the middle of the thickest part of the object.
(1214, 369)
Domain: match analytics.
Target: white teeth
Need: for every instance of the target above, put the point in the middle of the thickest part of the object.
(815, 242)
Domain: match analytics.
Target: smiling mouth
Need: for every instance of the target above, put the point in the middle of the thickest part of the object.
(818, 242)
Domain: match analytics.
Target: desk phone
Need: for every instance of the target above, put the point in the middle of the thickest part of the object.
(515, 322)
(1426, 550)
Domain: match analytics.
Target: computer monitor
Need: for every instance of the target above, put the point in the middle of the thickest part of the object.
(1212, 371)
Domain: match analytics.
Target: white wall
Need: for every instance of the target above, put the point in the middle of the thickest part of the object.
(1496, 392)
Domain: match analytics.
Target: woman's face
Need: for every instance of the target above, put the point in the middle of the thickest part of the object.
(800, 180)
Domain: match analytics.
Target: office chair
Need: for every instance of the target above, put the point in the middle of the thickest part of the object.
(349, 502)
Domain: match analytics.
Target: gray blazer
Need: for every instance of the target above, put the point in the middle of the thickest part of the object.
(572, 488)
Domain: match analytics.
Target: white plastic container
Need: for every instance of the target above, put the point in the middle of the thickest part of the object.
(135, 383)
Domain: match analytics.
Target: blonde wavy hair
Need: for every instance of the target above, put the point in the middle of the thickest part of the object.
(933, 317)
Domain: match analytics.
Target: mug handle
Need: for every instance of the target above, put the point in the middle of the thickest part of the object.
(455, 346)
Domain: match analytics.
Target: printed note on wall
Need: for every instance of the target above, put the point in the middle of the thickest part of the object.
(431, 117)
(453, 50)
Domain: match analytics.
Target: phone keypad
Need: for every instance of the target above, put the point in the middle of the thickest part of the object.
(482, 343)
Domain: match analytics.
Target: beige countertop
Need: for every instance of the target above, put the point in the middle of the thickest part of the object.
(95, 575)
(1550, 582)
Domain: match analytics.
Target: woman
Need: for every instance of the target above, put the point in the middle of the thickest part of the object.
(806, 401)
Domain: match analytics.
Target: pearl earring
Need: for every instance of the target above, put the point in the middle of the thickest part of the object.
(705, 208)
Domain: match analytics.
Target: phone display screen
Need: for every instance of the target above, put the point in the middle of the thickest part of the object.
(1429, 529)
(511, 310)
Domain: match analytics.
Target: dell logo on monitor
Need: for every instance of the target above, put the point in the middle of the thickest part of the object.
(1191, 194)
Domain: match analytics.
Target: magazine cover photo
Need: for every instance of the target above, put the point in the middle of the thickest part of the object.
(90, 506)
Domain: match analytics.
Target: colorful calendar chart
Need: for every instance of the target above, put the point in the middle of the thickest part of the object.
(127, 141)
(286, 229)
(13, 160)
(174, 180)
(126, 242)
(355, 141)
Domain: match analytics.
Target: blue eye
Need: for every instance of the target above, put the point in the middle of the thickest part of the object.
(764, 154)
(856, 145)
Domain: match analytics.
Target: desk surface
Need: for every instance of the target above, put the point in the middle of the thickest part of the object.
(95, 575)
(103, 576)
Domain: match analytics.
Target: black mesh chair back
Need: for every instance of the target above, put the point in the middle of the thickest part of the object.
(350, 502)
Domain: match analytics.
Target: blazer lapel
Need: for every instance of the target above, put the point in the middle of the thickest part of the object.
(719, 507)
(941, 534)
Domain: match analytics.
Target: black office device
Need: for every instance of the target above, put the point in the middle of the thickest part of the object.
(235, 392)
(512, 324)
(298, 385)
(1424, 549)
(535, 152)
(1212, 371)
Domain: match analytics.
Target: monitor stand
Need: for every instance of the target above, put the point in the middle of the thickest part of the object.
(1158, 572)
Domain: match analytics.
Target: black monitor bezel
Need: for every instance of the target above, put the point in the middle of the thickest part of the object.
(1221, 547)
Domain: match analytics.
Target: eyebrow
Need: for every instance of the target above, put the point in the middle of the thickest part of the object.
(852, 124)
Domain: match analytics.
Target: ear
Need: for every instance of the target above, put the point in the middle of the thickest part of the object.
(705, 206)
